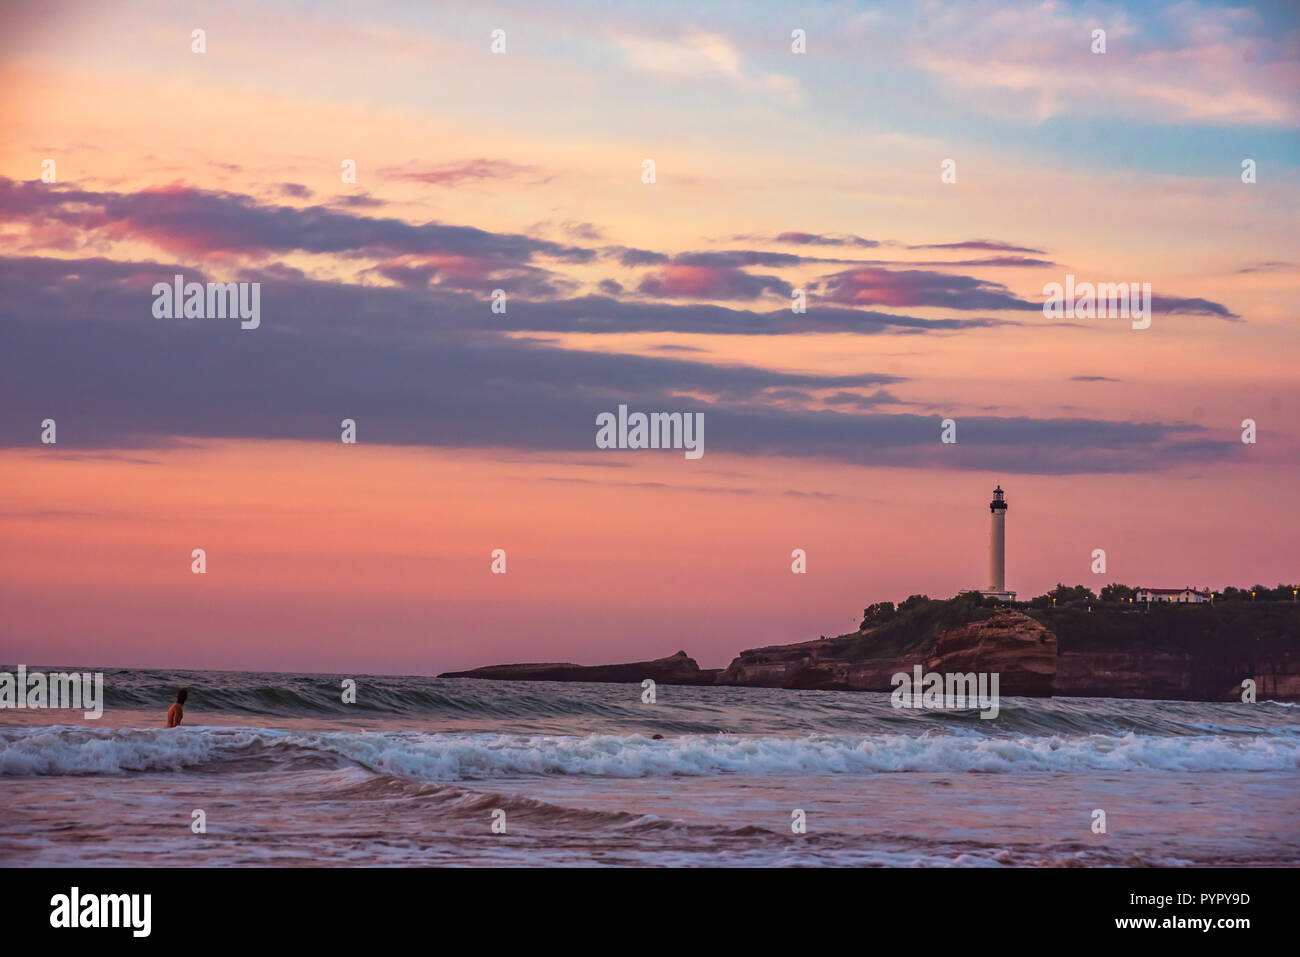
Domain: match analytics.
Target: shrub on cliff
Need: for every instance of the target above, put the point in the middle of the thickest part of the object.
(1116, 592)
(918, 620)
(1063, 595)
(1258, 593)
(877, 614)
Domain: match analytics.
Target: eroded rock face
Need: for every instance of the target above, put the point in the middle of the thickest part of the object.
(807, 664)
(1015, 646)
(678, 669)
(1124, 675)
(1144, 674)
(1020, 650)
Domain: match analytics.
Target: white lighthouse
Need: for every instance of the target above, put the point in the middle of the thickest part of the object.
(998, 549)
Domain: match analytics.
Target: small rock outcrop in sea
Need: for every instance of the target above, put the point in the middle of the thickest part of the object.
(678, 669)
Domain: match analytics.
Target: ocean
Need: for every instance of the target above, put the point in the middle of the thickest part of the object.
(419, 771)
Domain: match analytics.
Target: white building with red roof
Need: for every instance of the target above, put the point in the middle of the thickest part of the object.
(1179, 595)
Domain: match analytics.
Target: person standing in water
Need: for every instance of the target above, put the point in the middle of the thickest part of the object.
(177, 711)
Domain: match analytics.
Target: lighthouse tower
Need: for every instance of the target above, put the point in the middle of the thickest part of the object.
(998, 542)
(998, 548)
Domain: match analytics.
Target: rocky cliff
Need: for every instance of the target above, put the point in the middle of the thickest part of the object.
(1099, 674)
(1015, 646)
(1025, 654)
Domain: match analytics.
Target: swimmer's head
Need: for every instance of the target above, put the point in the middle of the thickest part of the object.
(182, 695)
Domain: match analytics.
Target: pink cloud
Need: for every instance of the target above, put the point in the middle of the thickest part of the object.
(464, 171)
(710, 282)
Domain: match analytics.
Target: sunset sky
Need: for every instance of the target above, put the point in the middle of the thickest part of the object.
(523, 171)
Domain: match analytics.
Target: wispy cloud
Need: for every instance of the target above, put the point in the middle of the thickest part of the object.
(700, 55)
(460, 172)
(1178, 63)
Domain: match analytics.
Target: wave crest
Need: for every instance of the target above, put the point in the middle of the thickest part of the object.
(441, 758)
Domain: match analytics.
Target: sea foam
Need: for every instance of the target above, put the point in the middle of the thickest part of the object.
(63, 750)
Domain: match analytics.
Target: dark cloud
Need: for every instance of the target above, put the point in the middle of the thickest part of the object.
(80, 345)
(357, 201)
(823, 239)
(49, 283)
(632, 258)
(736, 258)
(994, 261)
(1173, 305)
(916, 287)
(739, 258)
(476, 276)
(991, 245)
(857, 400)
(1093, 378)
(183, 219)
(711, 282)
(849, 399)
(421, 359)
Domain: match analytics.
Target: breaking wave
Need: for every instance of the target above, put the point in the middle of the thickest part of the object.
(445, 758)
